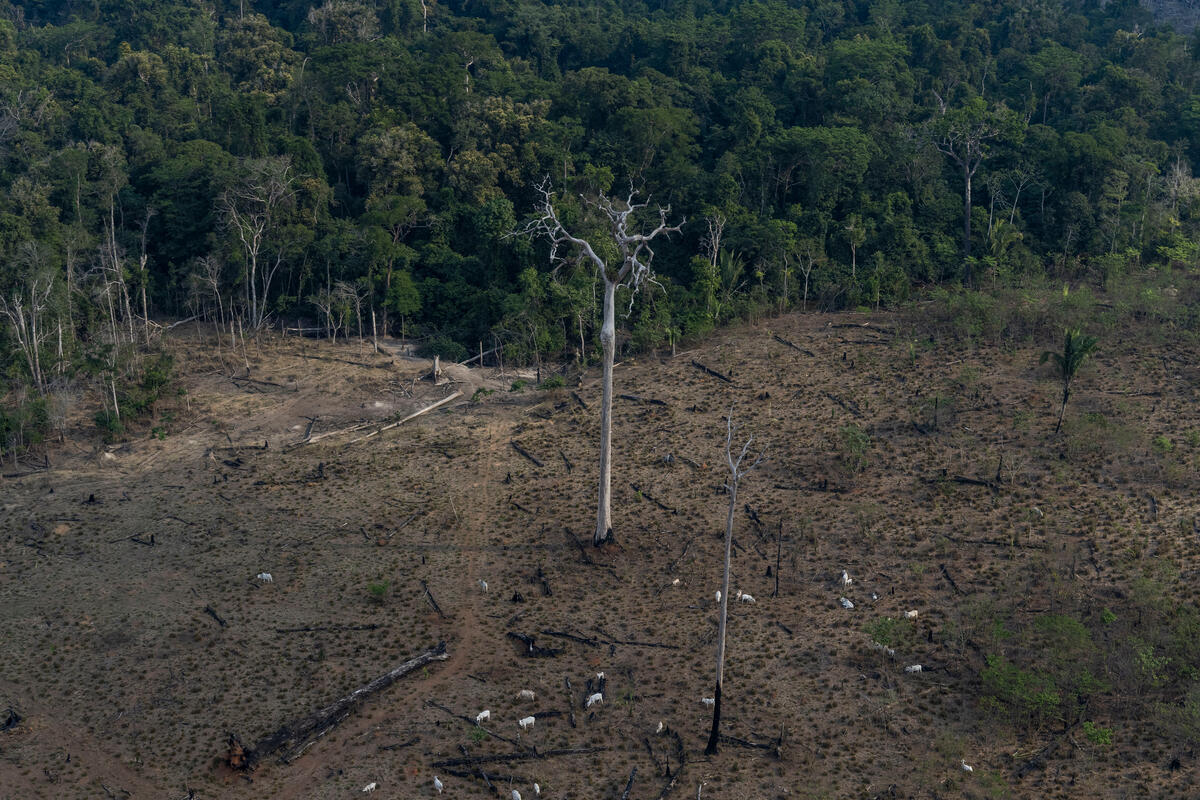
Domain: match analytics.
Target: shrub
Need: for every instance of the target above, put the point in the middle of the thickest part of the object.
(23, 425)
(378, 590)
(443, 346)
(1097, 735)
(854, 446)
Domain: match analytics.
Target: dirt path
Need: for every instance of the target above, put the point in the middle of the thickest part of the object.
(472, 525)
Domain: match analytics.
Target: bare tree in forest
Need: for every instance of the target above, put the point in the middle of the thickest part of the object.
(736, 473)
(26, 313)
(352, 294)
(252, 209)
(965, 135)
(628, 265)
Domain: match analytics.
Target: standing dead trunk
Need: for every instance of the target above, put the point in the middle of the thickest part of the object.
(736, 473)
(608, 343)
(714, 735)
(1062, 409)
(632, 271)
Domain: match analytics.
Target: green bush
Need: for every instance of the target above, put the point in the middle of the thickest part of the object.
(553, 382)
(24, 425)
(1022, 696)
(443, 346)
(1097, 735)
(109, 424)
(854, 446)
(891, 632)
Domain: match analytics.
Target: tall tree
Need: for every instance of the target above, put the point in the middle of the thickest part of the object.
(623, 259)
(736, 472)
(965, 135)
(253, 208)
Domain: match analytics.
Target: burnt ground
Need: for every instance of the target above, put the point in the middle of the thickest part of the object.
(128, 687)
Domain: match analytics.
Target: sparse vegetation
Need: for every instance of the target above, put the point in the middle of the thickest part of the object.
(1070, 606)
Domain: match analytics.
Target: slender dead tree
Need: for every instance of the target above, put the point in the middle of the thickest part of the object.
(26, 318)
(252, 208)
(629, 266)
(736, 473)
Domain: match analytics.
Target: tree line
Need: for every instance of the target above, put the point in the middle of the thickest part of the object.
(363, 165)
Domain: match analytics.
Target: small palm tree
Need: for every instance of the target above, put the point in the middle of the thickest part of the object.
(1077, 346)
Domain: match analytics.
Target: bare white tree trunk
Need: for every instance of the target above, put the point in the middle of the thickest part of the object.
(24, 321)
(252, 209)
(633, 271)
(608, 344)
(736, 473)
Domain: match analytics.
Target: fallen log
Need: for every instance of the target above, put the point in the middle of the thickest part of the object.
(862, 326)
(610, 639)
(248, 379)
(399, 745)
(771, 746)
(995, 542)
(570, 705)
(583, 553)
(516, 446)
(575, 396)
(646, 495)
(475, 724)
(712, 372)
(823, 486)
(972, 482)
(432, 602)
(629, 785)
(808, 353)
(532, 648)
(949, 580)
(1039, 759)
(233, 448)
(310, 439)
(633, 398)
(686, 545)
(453, 396)
(572, 637)
(508, 758)
(850, 406)
(296, 736)
(487, 780)
(326, 628)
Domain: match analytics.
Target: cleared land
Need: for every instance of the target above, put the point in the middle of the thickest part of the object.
(136, 638)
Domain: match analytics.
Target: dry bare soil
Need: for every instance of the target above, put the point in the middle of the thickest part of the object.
(116, 563)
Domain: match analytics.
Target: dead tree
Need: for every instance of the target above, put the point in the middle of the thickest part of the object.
(630, 267)
(736, 473)
(26, 318)
(252, 209)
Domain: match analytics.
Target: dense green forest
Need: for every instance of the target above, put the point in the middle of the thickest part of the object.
(363, 164)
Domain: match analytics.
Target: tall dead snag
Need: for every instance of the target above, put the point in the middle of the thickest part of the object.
(253, 208)
(736, 473)
(628, 266)
(27, 323)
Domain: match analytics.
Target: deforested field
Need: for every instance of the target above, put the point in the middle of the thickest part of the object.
(1053, 575)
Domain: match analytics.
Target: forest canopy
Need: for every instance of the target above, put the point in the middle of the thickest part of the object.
(333, 162)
